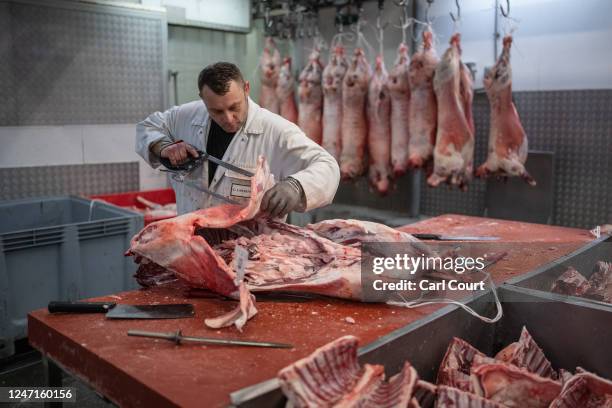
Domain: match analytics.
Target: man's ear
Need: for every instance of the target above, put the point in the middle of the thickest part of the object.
(247, 87)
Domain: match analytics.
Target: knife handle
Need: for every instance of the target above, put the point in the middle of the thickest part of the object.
(426, 236)
(188, 165)
(79, 307)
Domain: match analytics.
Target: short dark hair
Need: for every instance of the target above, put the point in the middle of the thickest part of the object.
(218, 76)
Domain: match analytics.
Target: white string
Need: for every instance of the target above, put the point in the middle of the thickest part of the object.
(418, 303)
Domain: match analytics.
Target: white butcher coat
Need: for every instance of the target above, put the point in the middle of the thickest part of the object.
(287, 149)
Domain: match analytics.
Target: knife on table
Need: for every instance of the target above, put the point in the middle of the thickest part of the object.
(178, 337)
(440, 237)
(116, 311)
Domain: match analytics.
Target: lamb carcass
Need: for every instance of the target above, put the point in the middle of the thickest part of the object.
(507, 138)
(454, 149)
(354, 123)
(286, 93)
(310, 94)
(333, 77)
(323, 258)
(379, 133)
(399, 90)
(270, 64)
(423, 105)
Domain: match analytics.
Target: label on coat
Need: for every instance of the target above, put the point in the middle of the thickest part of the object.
(240, 190)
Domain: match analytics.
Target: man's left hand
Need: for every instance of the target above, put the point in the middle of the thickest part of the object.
(281, 199)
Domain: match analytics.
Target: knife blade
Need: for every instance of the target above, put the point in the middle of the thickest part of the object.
(178, 337)
(116, 311)
(227, 165)
(440, 237)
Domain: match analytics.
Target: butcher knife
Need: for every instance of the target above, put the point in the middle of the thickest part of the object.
(178, 338)
(116, 311)
(440, 237)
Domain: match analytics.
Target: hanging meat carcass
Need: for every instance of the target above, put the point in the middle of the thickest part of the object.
(379, 132)
(423, 105)
(333, 76)
(454, 149)
(507, 138)
(399, 90)
(270, 64)
(310, 94)
(286, 93)
(354, 123)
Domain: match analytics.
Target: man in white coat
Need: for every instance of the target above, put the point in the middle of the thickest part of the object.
(228, 125)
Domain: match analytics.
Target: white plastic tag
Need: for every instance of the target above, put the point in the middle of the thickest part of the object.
(241, 256)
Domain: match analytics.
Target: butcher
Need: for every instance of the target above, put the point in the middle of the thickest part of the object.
(228, 125)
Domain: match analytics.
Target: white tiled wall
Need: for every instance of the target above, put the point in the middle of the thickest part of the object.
(26, 146)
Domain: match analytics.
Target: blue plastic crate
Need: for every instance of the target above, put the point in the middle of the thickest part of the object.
(60, 248)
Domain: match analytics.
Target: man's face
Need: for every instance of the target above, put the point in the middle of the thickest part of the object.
(230, 110)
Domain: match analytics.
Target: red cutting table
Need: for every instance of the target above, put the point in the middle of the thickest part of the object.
(138, 372)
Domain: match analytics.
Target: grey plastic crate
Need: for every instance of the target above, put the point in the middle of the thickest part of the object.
(59, 248)
(425, 341)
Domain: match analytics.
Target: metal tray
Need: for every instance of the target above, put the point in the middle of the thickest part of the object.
(583, 259)
(424, 342)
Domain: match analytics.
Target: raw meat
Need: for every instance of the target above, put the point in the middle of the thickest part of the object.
(601, 282)
(449, 397)
(198, 248)
(285, 92)
(423, 105)
(354, 123)
(399, 90)
(571, 282)
(507, 138)
(331, 377)
(514, 387)
(456, 365)
(310, 94)
(454, 149)
(585, 390)
(379, 133)
(325, 376)
(270, 64)
(525, 353)
(333, 77)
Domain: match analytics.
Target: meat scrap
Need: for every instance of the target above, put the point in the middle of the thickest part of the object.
(585, 390)
(525, 353)
(332, 377)
(456, 365)
(507, 139)
(597, 287)
(270, 65)
(454, 149)
(449, 397)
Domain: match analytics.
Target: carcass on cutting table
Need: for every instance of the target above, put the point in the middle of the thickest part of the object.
(507, 138)
(323, 258)
(454, 149)
(270, 65)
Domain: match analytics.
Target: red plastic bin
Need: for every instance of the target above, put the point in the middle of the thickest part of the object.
(128, 200)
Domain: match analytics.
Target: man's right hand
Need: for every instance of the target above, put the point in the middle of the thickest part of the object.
(178, 153)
